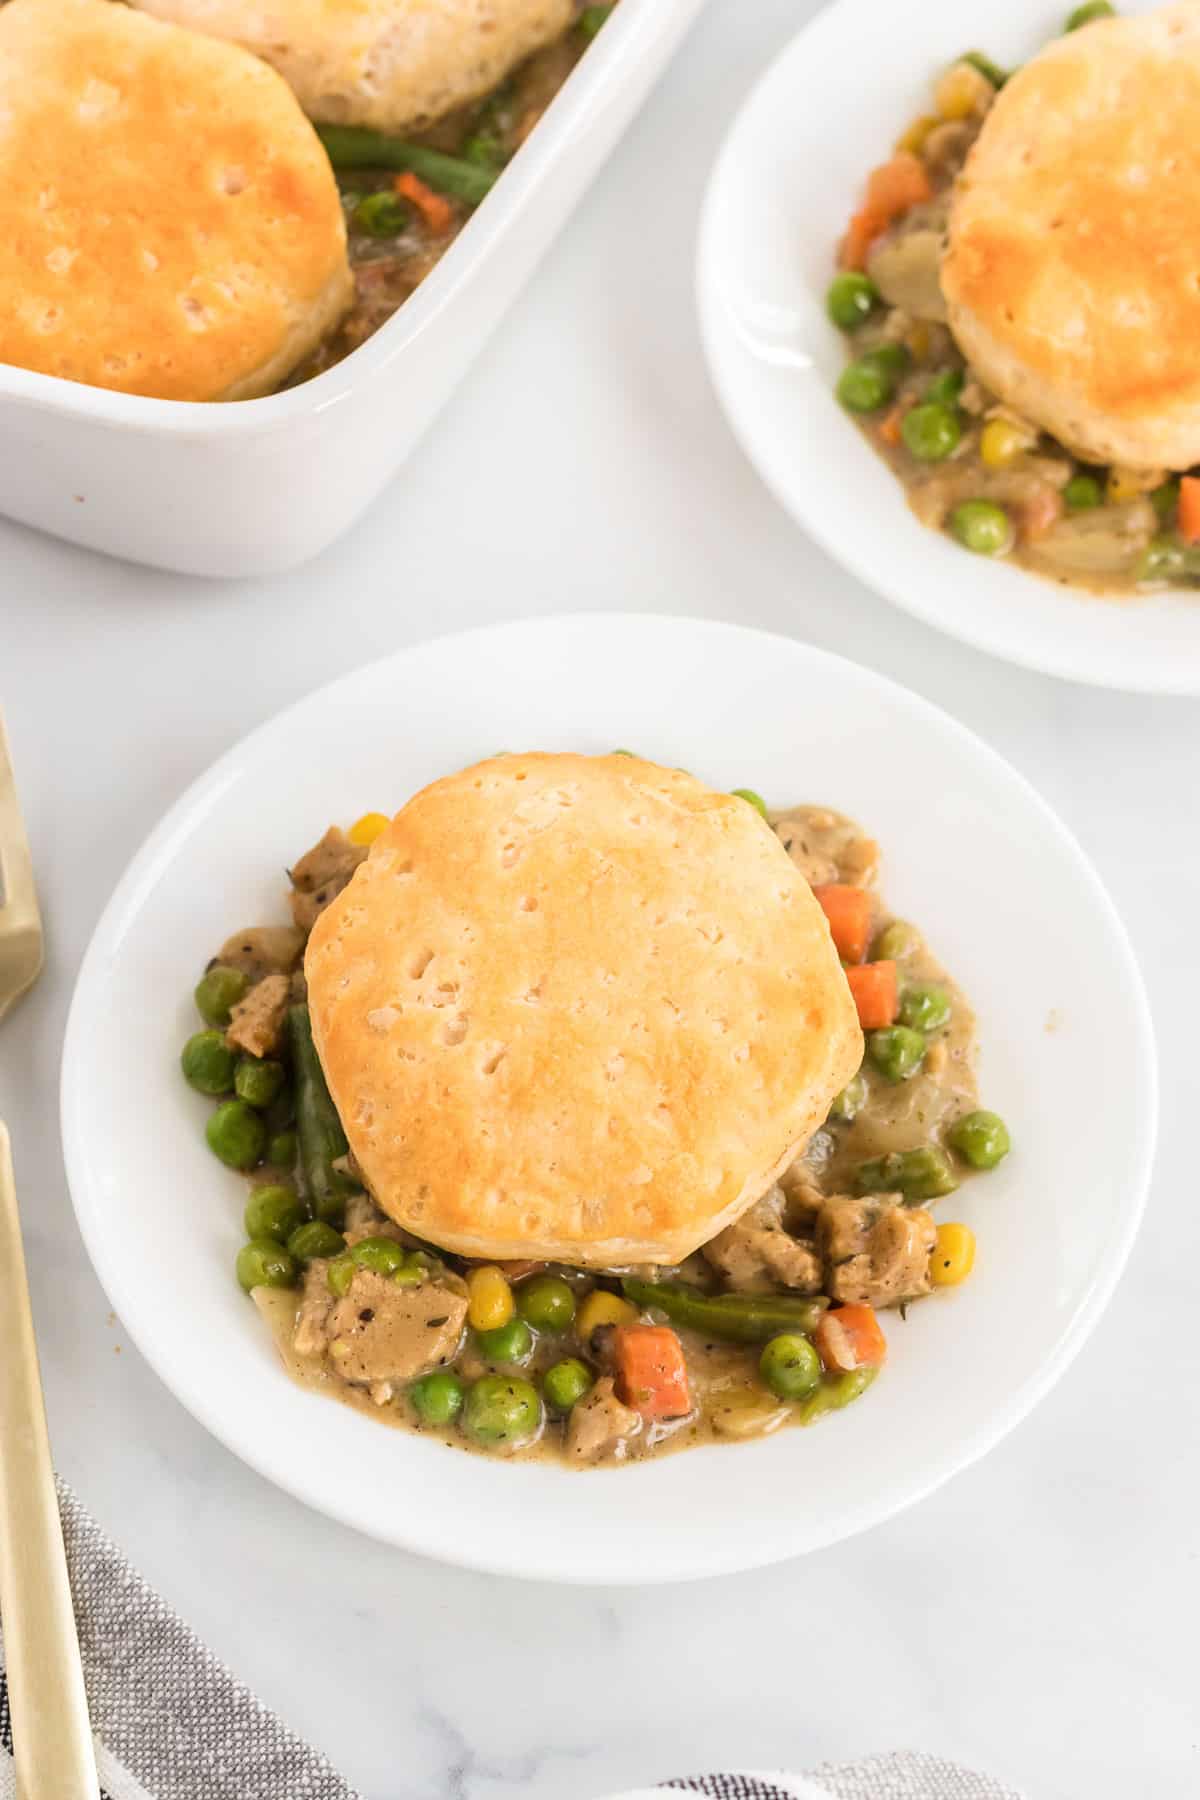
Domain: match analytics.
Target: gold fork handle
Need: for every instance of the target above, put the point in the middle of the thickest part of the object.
(52, 1740)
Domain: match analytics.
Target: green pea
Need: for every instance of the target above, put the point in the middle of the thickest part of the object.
(485, 150)
(751, 799)
(546, 1302)
(1165, 559)
(236, 1134)
(313, 1239)
(978, 59)
(264, 1262)
(851, 299)
(438, 1398)
(340, 1274)
(217, 993)
(850, 1102)
(982, 527)
(897, 1051)
(281, 1150)
(870, 381)
(922, 1174)
(273, 1212)
(925, 1007)
(207, 1063)
(281, 1114)
(502, 1410)
(931, 431)
(511, 1343)
(790, 1366)
(258, 1082)
(382, 1255)
(981, 1138)
(895, 942)
(1086, 15)
(945, 388)
(1082, 493)
(592, 18)
(381, 215)
(624, 752)
(1165, 501)
(566, 1382)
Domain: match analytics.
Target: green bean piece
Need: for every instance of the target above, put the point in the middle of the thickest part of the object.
(546, 1302)
(1082, 493)
(751, 799)
(983, 527)
(355, 147)
(511, 1343)
(314, 1239)
(931, 431)
(1165, 501)
(734, 1318)
(897, 1051)
(923, 1174)
(438, 1398)
(851, 299)
(565, 1383)
(981, 1138)
(273, 1212)
(1087, 15)
(281, 1150)
(381, 215)
(850, 1102)
(790, 1366)
(1166, 559)
(207, 1063)
(835, 1392)
(319, 1131)
(258, 1081)
(502, 1411)
(236, 1134)
(978, 59)
(592, 18)
(264, 1262)
(217, 993)
(895, 942)
(945, 388)
(925, 1007)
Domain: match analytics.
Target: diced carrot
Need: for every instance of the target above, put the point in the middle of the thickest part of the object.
(651, 1372)
(848, 910)
(434, 208)
(1189, 509)
(892, 189)
(864, 227)
(849, 1337)
(875, 994)
(888, 430)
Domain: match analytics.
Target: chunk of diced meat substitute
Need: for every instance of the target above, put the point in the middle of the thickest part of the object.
(263, 950)
(379, 1333)
(757, 1253)
(256, 1022)
(600, 1424)
(321, 874)
(877, 1250)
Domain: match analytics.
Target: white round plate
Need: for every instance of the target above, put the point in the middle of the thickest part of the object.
(787, 179)
(969, 850)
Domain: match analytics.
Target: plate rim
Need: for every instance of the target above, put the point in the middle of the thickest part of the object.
(157, 850)
(1173, 678)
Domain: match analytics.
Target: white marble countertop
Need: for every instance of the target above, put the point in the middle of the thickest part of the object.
(1036, 1617)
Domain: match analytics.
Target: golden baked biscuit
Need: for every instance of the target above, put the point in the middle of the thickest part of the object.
(1073, 269)
(580, 1008)
(172, 225)
(392, 64)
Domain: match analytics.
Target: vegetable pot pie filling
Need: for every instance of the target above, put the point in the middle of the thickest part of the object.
(973, 467)
(775, 1321)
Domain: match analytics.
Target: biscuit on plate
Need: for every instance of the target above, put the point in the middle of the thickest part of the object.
(1073, 268)
(173, 227)
(392, 64)
(579, 1008)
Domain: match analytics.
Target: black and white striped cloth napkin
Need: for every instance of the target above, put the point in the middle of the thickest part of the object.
(172, 1723)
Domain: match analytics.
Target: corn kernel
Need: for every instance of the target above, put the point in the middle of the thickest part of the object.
(953, 1255)
(490, 1301)
(1131, 484)
(1002, 442)
(914, 138)
(364, 831)
(603, 1308)
(919, 339)
(962, 91)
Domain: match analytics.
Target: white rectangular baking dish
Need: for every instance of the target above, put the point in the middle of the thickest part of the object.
(258, 485)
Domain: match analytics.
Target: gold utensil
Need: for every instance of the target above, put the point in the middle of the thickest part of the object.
(52, 1740)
